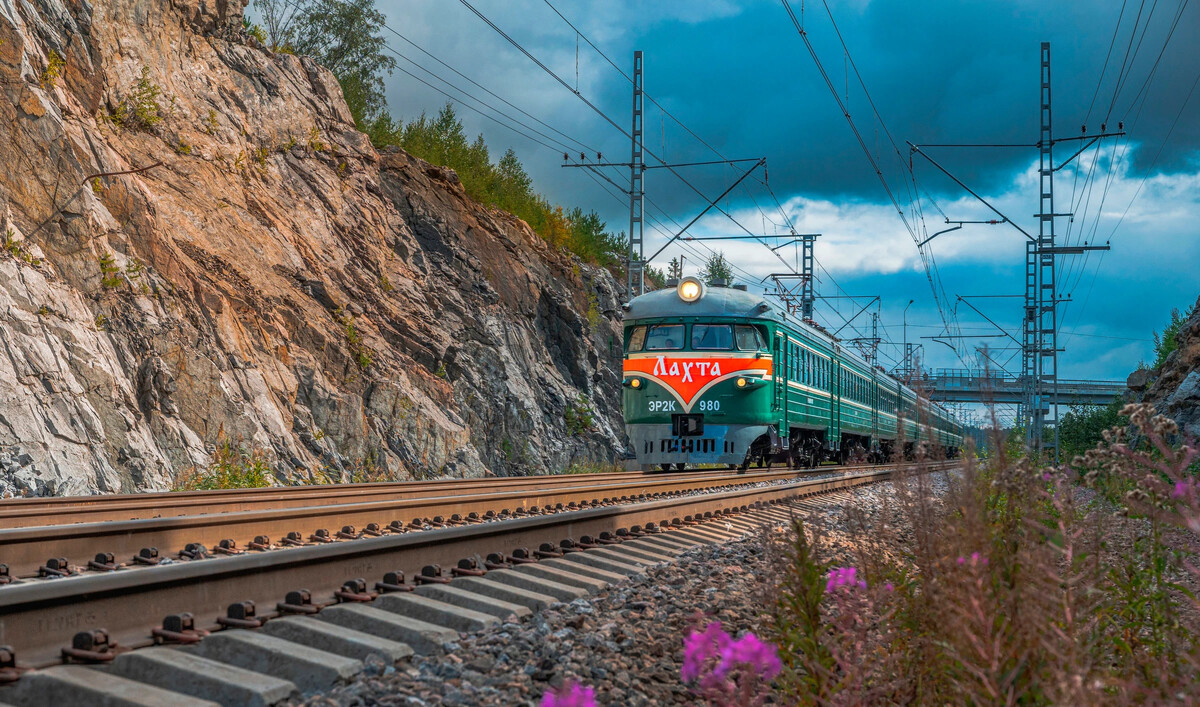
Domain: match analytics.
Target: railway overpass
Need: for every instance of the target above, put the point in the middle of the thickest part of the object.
(972, 386)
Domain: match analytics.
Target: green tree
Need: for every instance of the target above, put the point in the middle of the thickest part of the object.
(1166, 343)
(1082, 427)
(675, 269)
(343, 36)
(717, 268)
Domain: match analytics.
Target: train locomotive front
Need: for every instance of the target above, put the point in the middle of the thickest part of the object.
(696, 376)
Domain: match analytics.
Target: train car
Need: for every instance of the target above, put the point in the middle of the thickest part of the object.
(716, 375)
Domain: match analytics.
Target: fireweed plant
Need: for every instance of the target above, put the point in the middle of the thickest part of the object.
(1017, 584)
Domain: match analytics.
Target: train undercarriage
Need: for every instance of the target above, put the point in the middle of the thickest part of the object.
(804, 449)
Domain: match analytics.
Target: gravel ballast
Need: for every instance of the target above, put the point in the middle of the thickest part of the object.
(626, 641)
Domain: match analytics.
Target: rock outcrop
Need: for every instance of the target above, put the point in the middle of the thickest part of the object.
(199, 246)
(1174, 387)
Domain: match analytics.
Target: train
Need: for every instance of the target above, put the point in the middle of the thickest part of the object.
(714, 375)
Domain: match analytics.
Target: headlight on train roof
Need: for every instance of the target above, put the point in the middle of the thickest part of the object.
(635, 383)
(741, 382)
(690, 289)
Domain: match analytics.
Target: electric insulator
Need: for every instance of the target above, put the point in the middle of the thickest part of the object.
(1083, 130)
(582, 157)
(566, 157)
(1121, 125)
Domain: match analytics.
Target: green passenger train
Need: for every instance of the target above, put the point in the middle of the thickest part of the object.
(716, 375)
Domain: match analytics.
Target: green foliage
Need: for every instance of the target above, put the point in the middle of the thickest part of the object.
(1082, 426)
(656, 277)
(232, 467)
(797, 619)
(717, 268)
(210, 122)
(362, 354)
(183, 148)
(315, 143)
(54, 69)
(503, 184)
(594, 317)
(97, 186)
(578, 416)
(16, 249)
(101, 322)
(254, 31)
(385, 284)
(1166, 343)
(140, 110)
(344, 37)
(110, 274)
(592, 467)
(441, 370)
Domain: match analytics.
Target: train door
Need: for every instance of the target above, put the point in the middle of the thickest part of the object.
(835, 405)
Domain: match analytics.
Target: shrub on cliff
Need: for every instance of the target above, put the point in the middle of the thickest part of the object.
(503, 184)
(1166, 343)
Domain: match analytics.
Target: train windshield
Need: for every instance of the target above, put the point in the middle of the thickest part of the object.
(748, 338)
(664, 337)
(712, 336)
(637, 338)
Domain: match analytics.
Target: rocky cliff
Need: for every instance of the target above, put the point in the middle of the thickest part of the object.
(199, 247)
(1174, 387)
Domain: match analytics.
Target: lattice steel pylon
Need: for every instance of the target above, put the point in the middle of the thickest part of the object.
(634, 263)
(1039, 355)
(808, 292)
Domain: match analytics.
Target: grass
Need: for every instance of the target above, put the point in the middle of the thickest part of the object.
(1020, 584)
(232, 467)
(359, 351)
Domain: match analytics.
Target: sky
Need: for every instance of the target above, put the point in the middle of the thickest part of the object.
(734, 80)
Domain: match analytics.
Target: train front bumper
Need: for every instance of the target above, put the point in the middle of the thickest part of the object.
(719, 444)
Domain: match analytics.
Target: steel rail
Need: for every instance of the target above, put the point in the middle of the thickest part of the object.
(26, 549)
(16, 513)
(39, 618)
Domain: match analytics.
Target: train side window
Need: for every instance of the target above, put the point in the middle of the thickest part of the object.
(637, 338)
(664, 337)
(748, 338)
(712, 336)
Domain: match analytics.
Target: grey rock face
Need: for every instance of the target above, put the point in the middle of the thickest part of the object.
(275, 282)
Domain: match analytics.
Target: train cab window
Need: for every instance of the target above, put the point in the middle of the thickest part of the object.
(748, 338)
(664, 337)
(712, 336)
(637, 338)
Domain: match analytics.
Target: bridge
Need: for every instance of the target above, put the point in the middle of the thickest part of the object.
(977, 386)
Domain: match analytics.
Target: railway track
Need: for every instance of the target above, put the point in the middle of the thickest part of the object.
(391, 586)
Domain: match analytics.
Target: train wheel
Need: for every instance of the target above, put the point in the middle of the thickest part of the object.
(664, 467)
(744, 466)
(680, 466)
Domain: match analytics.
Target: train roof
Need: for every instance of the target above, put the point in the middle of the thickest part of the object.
(720, 301)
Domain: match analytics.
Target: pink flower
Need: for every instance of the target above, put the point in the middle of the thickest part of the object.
(571, 694)
(762, 658)
(699, 647)
(976, 559)
(843, 577)
(1046, 476)
(890, 587)
(1181, 489)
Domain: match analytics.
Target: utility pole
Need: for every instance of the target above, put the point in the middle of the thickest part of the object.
(1039, 345)
(634, 265)
(907, 350)
(1039, 356)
